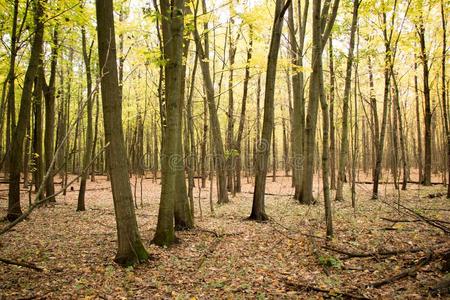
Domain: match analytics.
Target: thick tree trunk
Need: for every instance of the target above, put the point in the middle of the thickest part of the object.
(171, 159)
(298, 120)
(130, 248)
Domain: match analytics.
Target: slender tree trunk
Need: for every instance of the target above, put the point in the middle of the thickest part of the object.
(11, 98)
(214, 119)
(183, 217)
(89, 104)
(262, 155)
(130, 248)
(444, 92)
(427, 99)
(49, 94)
(38, 153)
(332, 125)
(14, 209)
(344, 149)
(238, 142)
(387, 80)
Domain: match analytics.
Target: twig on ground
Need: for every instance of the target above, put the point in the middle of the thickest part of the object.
(407, 272)
(308, 288)
(21, 264)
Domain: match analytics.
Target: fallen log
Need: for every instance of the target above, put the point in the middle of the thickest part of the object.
(407, 272)
(21, 264)
(372, 254)
(309, 288)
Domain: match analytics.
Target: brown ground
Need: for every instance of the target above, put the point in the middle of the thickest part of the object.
(226, 256)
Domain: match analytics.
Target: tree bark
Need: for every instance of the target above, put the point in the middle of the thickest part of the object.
(89, 104)
(14, 209)
(219, 152)
(262, 155)
(344, 149)
(130, 248)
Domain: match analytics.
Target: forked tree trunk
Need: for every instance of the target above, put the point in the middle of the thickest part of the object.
(323, 20)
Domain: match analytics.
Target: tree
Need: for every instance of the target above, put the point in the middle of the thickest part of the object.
(49, 95)
(130, 248)
(420, 28)
(219, 153)
(262, 155)
(298, 89)
(343, 153)
(172, 38)
(14, 209)
(88, 147)
(322, 26)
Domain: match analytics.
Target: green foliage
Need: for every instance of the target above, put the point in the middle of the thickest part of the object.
(330, 261)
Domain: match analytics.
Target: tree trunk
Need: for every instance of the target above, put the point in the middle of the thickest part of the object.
(298, 120)
(88, 146)
(38, 153)
(171, 160)
(130, 248)
(262, 155)
(238, 142)
(322, 24)
(427, 98)
(344, 149)
(444, 92)
(49, 94)
(14, 209)
(332, 125)
(219, 152)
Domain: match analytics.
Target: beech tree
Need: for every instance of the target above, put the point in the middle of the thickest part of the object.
(130, 248)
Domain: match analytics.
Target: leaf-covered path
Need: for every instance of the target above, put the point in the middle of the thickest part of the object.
(227, 256)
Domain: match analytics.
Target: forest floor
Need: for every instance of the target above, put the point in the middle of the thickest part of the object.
(226, 256)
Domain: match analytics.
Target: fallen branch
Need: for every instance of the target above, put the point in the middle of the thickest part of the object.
(308, 288)
(21, 264)
(407, 272)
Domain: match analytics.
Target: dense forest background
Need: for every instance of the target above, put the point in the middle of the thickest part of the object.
(162, 126)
